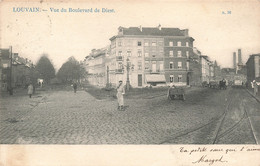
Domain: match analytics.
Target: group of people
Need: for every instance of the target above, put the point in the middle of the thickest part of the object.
(30, 89)
(222, 84)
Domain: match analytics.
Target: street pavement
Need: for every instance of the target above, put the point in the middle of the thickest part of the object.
(64, 117)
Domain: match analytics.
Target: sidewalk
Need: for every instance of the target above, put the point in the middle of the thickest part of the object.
(251, 92)
(255, 118)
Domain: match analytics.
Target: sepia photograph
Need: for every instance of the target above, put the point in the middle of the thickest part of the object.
(143, 82)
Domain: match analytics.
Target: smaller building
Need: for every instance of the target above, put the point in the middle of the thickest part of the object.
(22, 71)
(194, 70)
(207, 70)
(15, 71)
(95, 65)
(253, 68)
(5, 68)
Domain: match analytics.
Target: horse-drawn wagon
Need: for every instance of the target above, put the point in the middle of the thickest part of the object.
(176, 93)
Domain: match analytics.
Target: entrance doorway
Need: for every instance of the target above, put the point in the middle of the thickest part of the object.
(140, 80)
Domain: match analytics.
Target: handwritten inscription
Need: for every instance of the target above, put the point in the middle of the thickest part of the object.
(205, 159)
(214, 155)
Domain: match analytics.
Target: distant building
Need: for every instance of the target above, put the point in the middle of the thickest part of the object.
(95, 65)
(207, 69)
(195, 70)
(253, 68)
(230, 74)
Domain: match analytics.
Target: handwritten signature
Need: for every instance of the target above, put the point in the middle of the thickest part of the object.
(204, 159)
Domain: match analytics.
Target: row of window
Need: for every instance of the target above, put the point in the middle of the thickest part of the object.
(179, 43)
(171, 66)
(146, 54)
(154, 67)
(160, 43)
(179, 78)
(179, 54)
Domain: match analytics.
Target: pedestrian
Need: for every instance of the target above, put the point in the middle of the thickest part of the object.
(255, 87)
(172, 86)
(120, 96)
(30, 90)
(224, 83)
(75, 86)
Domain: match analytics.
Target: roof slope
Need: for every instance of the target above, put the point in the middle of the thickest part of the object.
(152, 31)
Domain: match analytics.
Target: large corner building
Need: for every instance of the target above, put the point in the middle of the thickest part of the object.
(150, 56)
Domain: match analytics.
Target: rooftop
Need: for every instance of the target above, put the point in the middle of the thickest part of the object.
(151, 31)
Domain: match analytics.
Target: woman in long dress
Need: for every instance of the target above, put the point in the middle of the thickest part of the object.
(30, 90)
(120, 96)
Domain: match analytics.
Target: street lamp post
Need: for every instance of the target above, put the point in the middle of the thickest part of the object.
(108, 83)
(128, 66)
(107, 74)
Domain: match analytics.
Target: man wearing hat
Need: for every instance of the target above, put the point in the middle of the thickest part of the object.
(120, 97)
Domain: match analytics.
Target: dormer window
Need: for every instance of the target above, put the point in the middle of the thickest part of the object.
(120, 31)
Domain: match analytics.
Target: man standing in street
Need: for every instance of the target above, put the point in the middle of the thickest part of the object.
(120, 97)
(75, 87)
(255, 87)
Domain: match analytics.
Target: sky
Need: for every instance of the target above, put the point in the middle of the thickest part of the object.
(65, 34)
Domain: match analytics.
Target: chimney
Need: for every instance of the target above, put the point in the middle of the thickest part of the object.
(159, 27)
(141, 28)
(234, 60)
(120, 30)
(239, 57)
(185, 32)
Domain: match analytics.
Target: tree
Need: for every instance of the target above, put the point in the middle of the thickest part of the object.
(45, 68)
(70, 70)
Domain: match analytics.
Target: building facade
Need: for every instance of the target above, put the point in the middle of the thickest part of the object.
(15, 71)
(207, 69)
(95, 65)
(151, 56)
(195, 71)
(253, 68)
(5, 68)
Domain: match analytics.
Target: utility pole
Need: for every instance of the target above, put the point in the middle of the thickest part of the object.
(127, 76)
(128, 67)
(11, 64)
(108, 83)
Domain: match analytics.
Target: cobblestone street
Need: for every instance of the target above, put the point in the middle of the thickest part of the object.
(63, 117)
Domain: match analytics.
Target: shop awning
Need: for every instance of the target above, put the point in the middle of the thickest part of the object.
(155, 78)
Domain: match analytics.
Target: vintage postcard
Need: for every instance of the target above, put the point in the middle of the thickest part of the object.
(112, 83)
